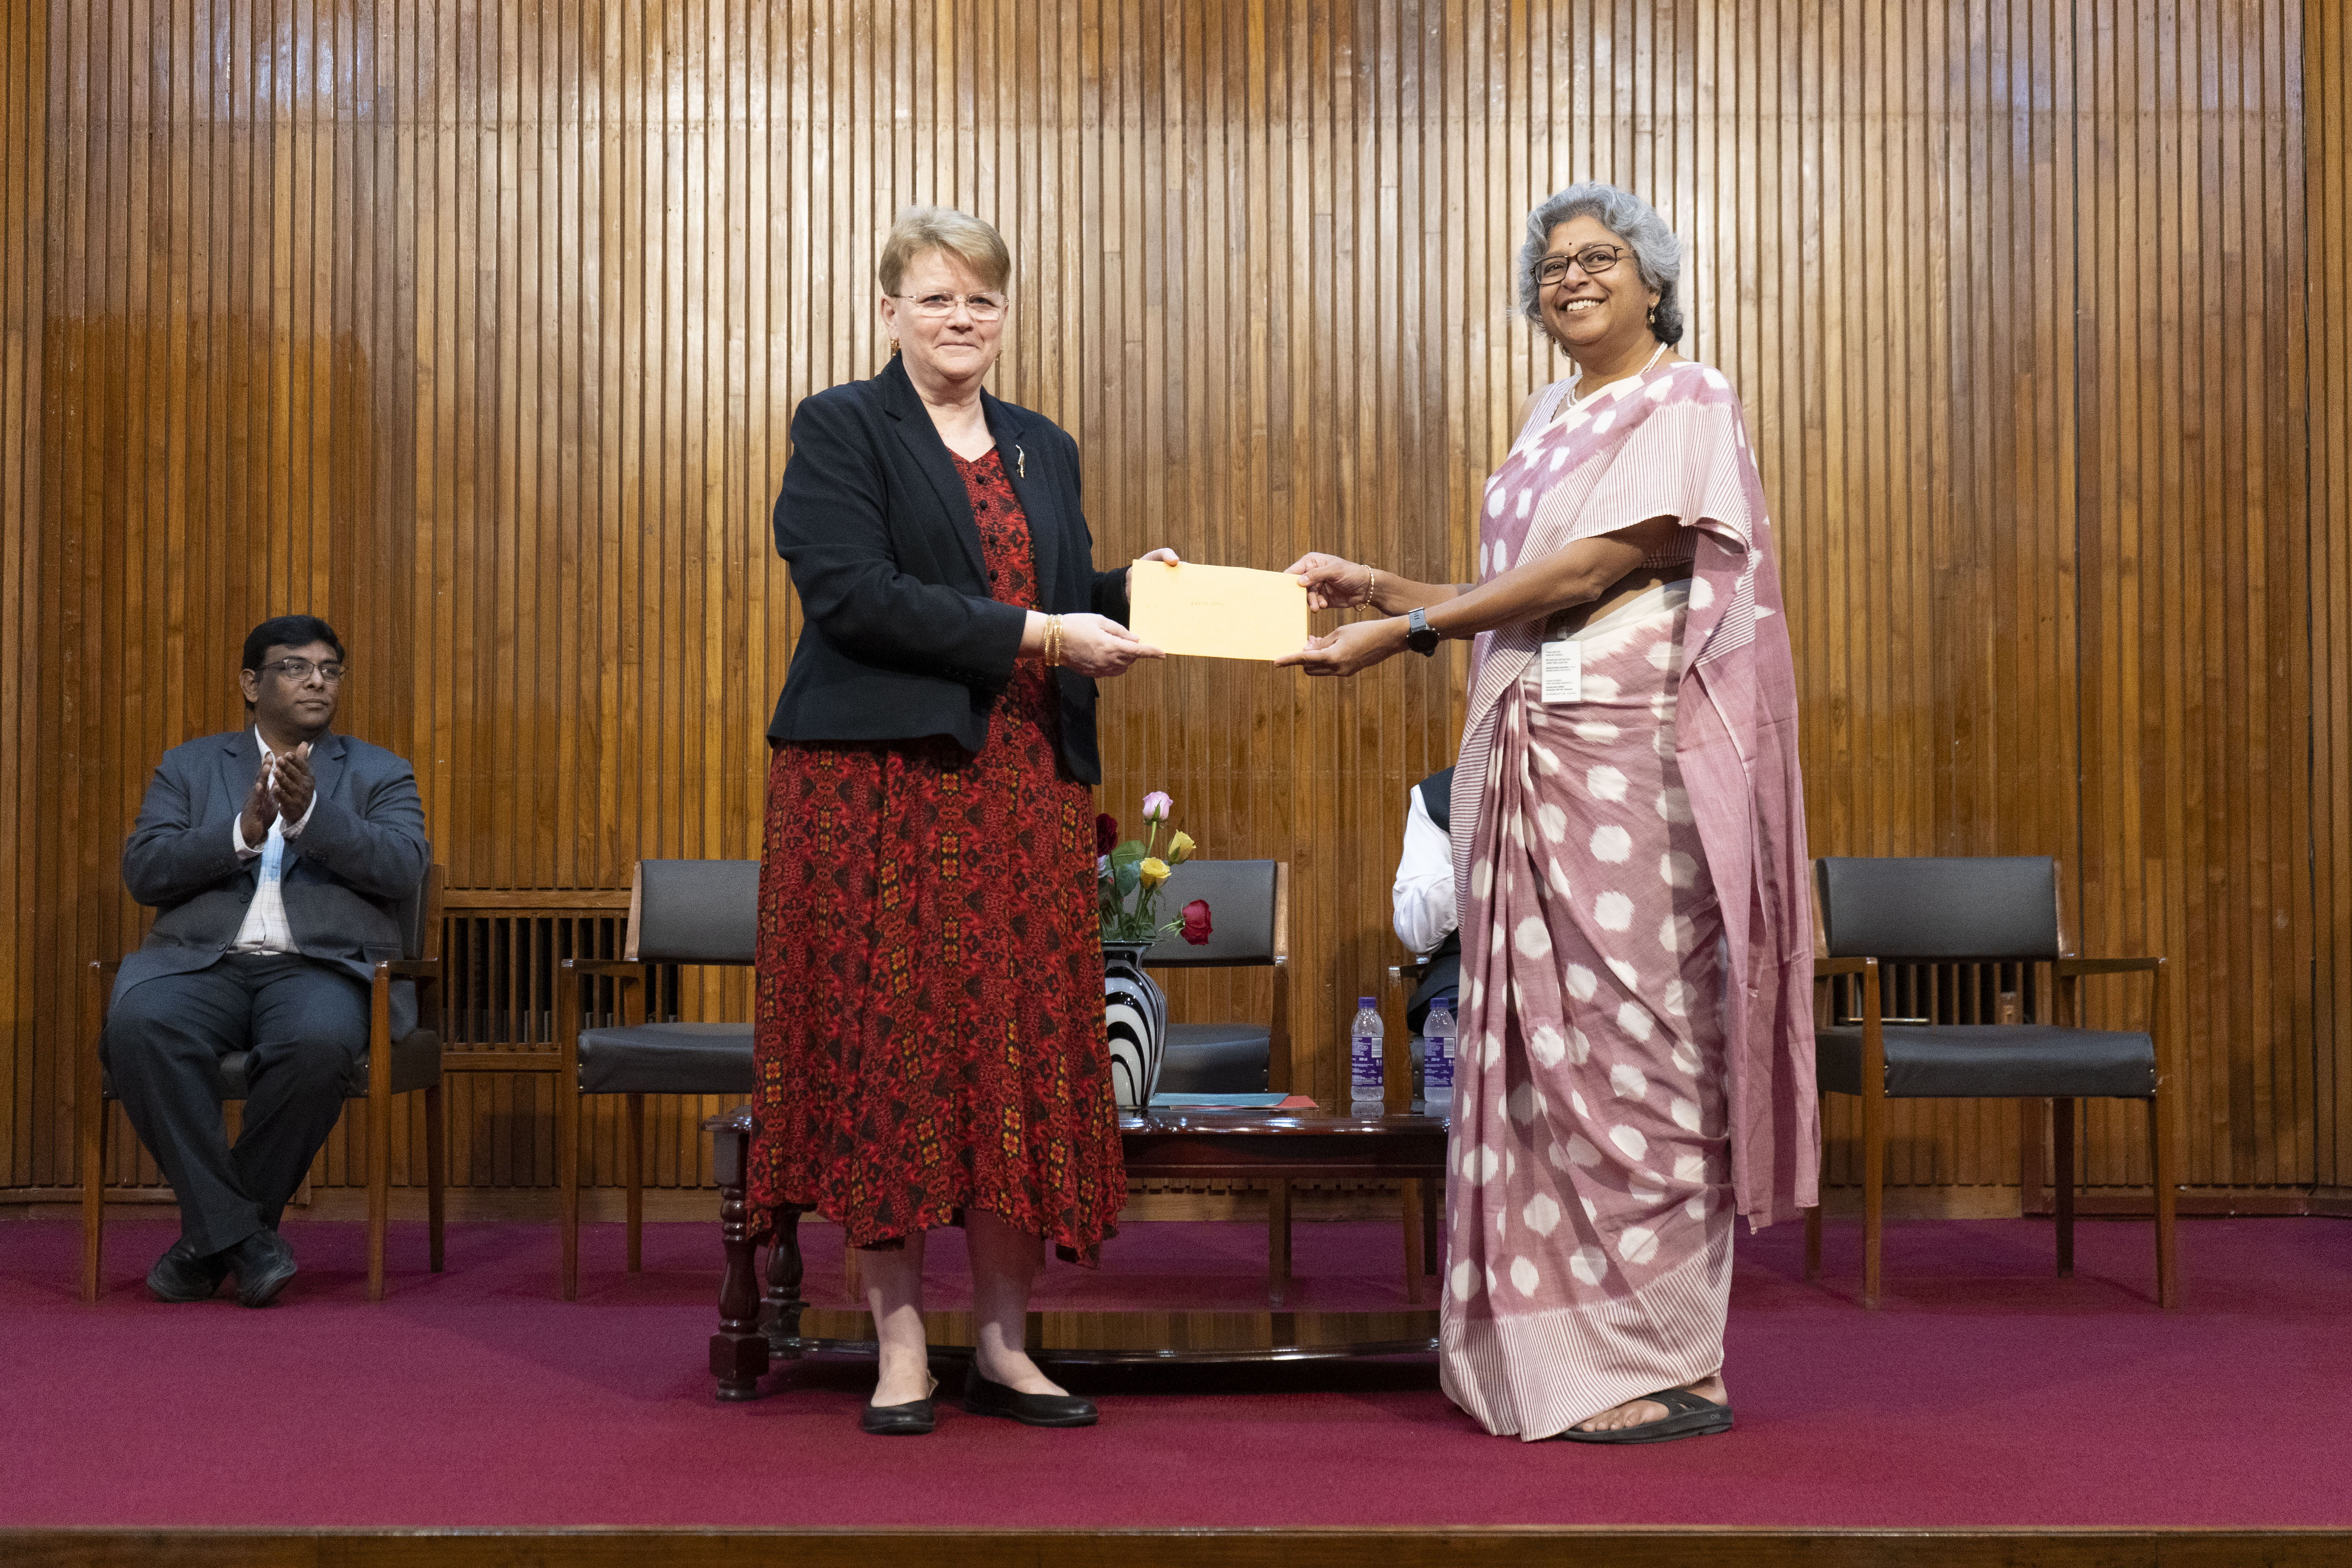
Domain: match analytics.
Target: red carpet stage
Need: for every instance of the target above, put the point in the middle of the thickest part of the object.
(1986, 1395)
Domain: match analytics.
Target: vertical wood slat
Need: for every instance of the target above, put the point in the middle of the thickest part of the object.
(477, 328)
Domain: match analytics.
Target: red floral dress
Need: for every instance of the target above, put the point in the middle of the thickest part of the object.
(929, 1027)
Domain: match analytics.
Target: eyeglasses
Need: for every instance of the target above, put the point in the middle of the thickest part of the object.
(1596, 260)
(983, 307)
(298, 670)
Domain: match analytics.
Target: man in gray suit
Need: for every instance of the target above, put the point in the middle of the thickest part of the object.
(277, 857)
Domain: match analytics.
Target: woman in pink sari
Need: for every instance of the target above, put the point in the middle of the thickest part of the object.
(1629, 847)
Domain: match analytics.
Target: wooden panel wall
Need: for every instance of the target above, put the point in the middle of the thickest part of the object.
(2327, 351)
(476, 327)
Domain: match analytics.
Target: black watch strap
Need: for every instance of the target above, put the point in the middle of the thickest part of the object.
(1419, 635)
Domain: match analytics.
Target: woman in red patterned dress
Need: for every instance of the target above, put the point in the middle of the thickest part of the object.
(931, 1040)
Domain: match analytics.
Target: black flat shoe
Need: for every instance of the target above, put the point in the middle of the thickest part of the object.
(262, 1263)
(911, 1419)
(983, 1397)
(184, 1274)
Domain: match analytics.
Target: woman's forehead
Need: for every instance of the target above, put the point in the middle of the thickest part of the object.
(934, 271)
(1581, 230)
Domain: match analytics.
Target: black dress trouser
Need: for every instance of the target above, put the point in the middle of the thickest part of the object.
(307, 1027)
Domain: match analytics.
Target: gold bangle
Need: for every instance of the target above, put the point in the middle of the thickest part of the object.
(1053, 641)
(1372, 577)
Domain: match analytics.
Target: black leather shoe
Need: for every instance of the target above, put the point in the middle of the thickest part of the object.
(184, 1274)
(262, 1263)
(911, 1419)
(983, 1397)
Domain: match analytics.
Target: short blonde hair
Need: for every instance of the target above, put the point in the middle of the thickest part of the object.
(960, 234)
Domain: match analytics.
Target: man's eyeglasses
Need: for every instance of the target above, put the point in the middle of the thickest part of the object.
(298, 670)
(983, 307)
(1596, 260)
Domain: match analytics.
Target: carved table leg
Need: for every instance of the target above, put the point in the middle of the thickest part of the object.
(738, 1350)
(784, 1303)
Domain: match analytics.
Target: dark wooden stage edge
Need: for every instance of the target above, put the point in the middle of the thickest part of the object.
(1583, 1547)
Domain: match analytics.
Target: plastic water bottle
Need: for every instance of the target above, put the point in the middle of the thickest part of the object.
(1437, 1047)
(1364, 1061)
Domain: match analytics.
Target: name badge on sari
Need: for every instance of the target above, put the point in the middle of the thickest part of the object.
(1563, 671)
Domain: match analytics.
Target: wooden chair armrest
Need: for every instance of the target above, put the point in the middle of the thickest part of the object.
(615, 968)
(413, 968)
(1823, 966)
(2066, 968)
(106, 968)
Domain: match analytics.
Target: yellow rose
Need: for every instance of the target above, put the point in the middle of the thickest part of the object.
(1153, 871)
(1180, 848)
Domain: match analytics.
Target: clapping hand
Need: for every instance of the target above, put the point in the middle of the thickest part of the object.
(260, 808)
(292, 783)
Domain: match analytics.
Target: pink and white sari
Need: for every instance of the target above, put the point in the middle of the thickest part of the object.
(1636, 1019)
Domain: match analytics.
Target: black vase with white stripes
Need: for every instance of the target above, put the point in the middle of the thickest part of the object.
(1137, 1012)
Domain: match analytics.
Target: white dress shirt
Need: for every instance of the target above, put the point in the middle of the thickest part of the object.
(1423, 894)
(266, 928)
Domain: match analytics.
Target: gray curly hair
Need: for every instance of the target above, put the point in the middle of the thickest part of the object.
(1657, 252)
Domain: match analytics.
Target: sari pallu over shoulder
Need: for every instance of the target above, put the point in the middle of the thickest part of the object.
(1673, 442)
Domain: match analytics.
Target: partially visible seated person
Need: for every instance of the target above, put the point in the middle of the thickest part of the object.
(276, 858)
(1423, 897)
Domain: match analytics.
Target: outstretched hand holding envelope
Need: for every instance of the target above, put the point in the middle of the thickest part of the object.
(1216, 612)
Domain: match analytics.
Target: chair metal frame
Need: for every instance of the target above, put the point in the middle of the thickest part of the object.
(428, 971)
(630, 974)
(1278, 1068)
(2068, 973)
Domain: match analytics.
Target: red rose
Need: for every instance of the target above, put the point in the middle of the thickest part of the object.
(1105, 833)
(1196, 922)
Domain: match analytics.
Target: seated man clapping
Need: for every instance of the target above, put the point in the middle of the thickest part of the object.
(277, 857)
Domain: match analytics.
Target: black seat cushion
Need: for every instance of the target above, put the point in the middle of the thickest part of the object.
(1999, 1060)
(667, 1059)
(415, 1064)
(1215, 1059)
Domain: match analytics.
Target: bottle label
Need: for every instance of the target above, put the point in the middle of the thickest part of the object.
(1364, 1059)
(1437, 1062)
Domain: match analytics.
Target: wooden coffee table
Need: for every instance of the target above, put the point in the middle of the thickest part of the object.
(1277, 1147)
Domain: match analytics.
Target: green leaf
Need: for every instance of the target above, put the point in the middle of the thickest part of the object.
(1127, 854)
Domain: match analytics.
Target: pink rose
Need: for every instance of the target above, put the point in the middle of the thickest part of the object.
(1196, 922)
(1157, 805)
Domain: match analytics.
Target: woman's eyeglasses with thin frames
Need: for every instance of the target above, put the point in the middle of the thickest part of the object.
(1596, 260)
(983, 307)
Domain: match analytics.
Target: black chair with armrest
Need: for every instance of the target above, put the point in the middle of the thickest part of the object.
(680, 912)
(408, 1065)
(2000, 911)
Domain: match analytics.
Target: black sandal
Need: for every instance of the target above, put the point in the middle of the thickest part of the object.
(1687, 1415)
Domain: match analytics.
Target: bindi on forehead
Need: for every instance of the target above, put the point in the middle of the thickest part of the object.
(1577, 232)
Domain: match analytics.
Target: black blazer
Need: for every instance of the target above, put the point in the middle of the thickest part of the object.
(901, 636)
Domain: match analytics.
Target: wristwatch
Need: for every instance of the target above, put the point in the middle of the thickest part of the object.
(1419, 635)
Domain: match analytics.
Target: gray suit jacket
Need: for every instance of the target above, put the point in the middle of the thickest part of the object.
(343, 881)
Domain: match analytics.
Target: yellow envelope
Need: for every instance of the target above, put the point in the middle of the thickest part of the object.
(1217, 612)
